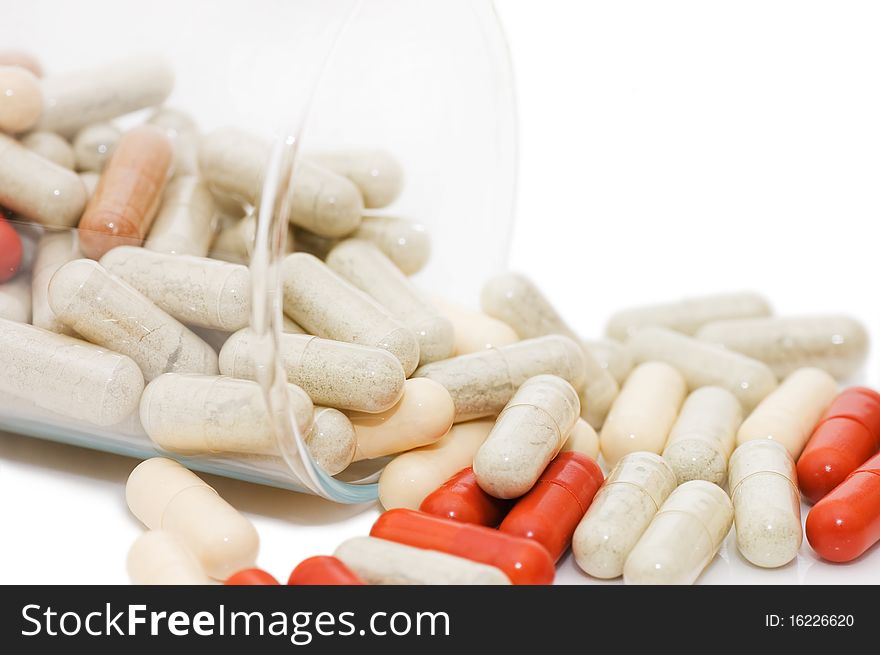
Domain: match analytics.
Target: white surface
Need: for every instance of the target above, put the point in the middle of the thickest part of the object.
(667, 149)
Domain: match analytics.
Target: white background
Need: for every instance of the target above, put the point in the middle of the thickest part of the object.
(666, 149)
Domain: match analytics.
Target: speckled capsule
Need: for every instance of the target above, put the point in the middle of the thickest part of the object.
(183, 133)
(15, 299)
(612, 356)
(374, 171)
(186, 221)
(94, 144)
(158, 557)
(332, 441)
(53, 251)
(52, 147)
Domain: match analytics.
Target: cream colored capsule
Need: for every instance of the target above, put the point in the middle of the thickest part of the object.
(187, 220)
(375, 172)
(90, 180)
(766, 503)
(164, 495)
(612, 356)
(328, 306)
(22, 99)
(332, 441)
(703, 436)
(582, 439)
(53, 251)
(183, 132)
(194, 290)
(196, 414)
(367, 268)
(474, 331)
(52, 147)
(382, 562)
(704, 364)
(334, 373)
(410, 477)
(421, 417)
(683, 537)
(837, 344)
(643, 414)
(482, 383)
(94, 144)
(109, 312)
(22, 59)
(158, 557)
(67, 376)
(15, 299)
(686, 315)
(789, 414)
(80, 98)
(37, 188)
(528, 434)
(620, 513)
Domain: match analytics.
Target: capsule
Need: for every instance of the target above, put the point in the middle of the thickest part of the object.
(474, 331)
(686, 315)
(643, 414)
(766, 503)
(21, 59)
(15, 299)
(109, 312)
(367, 268)
(129, 192)
(620, 513)
(460, 498)
(836, 344)
(186, 222)
(197, 414)
(68, 376)
(328, 306)
(77, 99)
(234, 240)
(321, 201)
(37, 188)
(422, 416)
(251, 577)
(847, 435)
(52, 147)
(334, 373)
(382, 562)
(53, 251)
(515, 300)
(612, 356)
(90, 180)
(332, 441)
(523, 561)
(183, 132)
(704, 364)
(482, 383)
(554, 507)
(410, 477)
(703, 436)
(582, 439)
(846, 522)
(789, 414)
(164, 495)
(194, 290)
(158, 557)
(323, 570)
(10, 251)
(375, 172)
(22, 99)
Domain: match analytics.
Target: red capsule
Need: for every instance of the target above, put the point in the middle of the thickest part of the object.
(10, 250)
(554, 507)
(251, 577)
(846, 522)
(521, 560)
(847, 435)
(460, 498)
(323, 570)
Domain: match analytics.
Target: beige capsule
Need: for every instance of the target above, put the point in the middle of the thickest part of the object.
(612, 356)
(334, 373)
(382, 562)
(474, 331)
(53, 251)
(328, 306)
(110, 312)
(704, 364)
(37, 188)
(582, 439)
(164, 495)
(90, 180)
(183, 133)
(374, 171)
(158, 557)
(367, 268)
(789, 414)
(52, 147)
(195, 290)
(15, 299)
(332, 441)
(187, 219)
(22, 99)
(528, 434)
(94, 144)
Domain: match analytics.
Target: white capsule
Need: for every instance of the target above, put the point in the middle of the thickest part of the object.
(53, 251)
(704, 364)
(643, 413)
(52, 147)
(620, 513)
(683, 537)
(77, 99)
(332, 441)
(94, 144)
(766, 503)
(195, 290)
(375, 172)
(187, 220)
(158, 557)
(612, 356)
(474, 331)
(382, 562)
(15, 299)
(367, 268)
(328, 306)
(68, 376)
(183, 132)
(527, 435)
(109, 312)
(686, 315)
(582, 439)
(837, 344)
(789, 414)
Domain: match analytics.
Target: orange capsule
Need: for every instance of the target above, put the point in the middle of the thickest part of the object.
(251, 577)
(128, 194)
(554, 507)
(460, 498)
(323, 570)
(523, 561)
